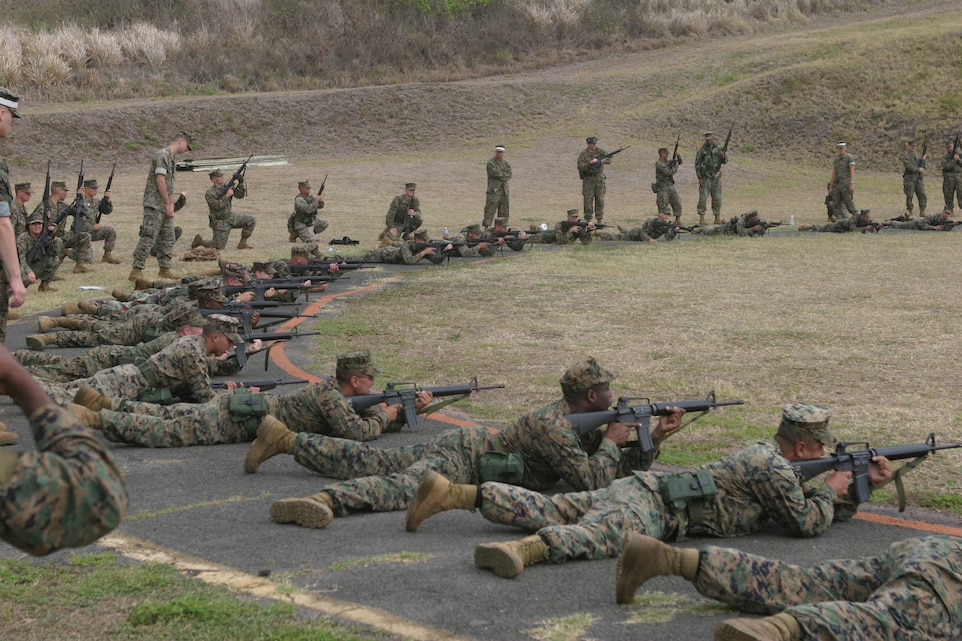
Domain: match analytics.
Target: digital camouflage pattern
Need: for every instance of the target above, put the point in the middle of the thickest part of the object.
(397, 213)
(951, 180)
(45, 263)
(842, 200)
(304, 221)
(593, 187)
(708, 168)
(157, 230)
(754, 486)
(57, 369)
(912, 591)
(666, 195)
(913, 183)
(222, 217)
(67, 493)
(496, 197)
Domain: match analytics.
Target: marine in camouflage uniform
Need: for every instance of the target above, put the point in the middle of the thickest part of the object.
(592, 174)
(911, 591)
(157, 228)
(913, 170)
(574, 232)
(939, 221)
(57, 369)
(863, 223)
(406, 252)
(233, 417)
(65, 493)
(94, 207)
(496, 201)
(303, 224)
(181, 368)
(952, 176)
(386, 479)
(747, 224)
(46, 262)
(514, 239)
(222, 217)
(399, 218)
(473, 245)
(652, 229)
(666, 196)
(708, 166)
(751, 487)
(76, 246)
(843, 183)
(18, 208)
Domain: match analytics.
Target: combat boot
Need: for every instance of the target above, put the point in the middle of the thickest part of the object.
(6, 436)
(45, 286)
(438, 494)
(121, 294)
(75, 324)
(293, 237)
(243, 244)
(135, 274)
(508, 559)
(37, 342)
(109, 259)
(80, 268)
(12, 316)
(678, 220)
(718, 219)
(778, 627)
(315, 511)
(804, 228)
(88, 307)
(701, 219)
(166, 273)
(143, 283)
(47, 323)
(85, 416)
(69, 308)
(273, 438)
(197, 242)
(644, 558)
(92, 399)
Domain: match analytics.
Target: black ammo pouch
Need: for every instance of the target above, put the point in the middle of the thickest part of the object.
(686, 493)
(502, 467)
(247, 408)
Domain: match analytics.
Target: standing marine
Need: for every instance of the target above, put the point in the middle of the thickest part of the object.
(708, 167)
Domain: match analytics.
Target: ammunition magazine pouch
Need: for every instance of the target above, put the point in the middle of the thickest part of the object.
(153, 332)
(247, 408)
(502, 467)
(654, 188)
(582, 174)
(686, 493)
(156, 395)
(149, 373)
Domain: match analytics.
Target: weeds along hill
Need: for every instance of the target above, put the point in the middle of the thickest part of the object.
(791, 76)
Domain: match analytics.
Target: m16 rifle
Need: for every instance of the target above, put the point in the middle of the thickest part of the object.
(104, 204)
(857, 462)
(274, 338)
(262, 384)
(918, 177)
(675, 158)
(344, 240)
(320, 190)
(603, 157)
(77, 209)
(728, 139)
(238, 177)
(41, 242)
(406, 394)
(627, 412)
(770, 223)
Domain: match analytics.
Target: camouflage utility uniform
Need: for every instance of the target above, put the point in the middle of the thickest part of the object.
(6, 197)
(496, 197)
(66, 493)
(77, 245)
(157, 230)
(222, 218)
(304, 223)
(108, 234)
(232, 417)
(397, 214)
(951, 180)
(912, 591)
(921, 223)
(45, 263)
(666, 196)
(57, 369)
(912, 182)
(651, 229)
(708, 168)
(754, 486)
(842, 202)
(593, 187)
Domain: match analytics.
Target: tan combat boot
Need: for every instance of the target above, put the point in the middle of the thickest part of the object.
(135, 274)
(47, 323)
(273, 438)
(293, 237)
(315, 511)
(37, 342)
(85, 416)
(143, 283)
(109, 259)
(45, 286)
(88, 307)
(804, 228)
(197, 242)
(121, 294)
(701, 219)
(243, 244)
(437, 494)
(12, 316)
(76, 324)
(79, 268)
(718, 219)
(778, 627)
(69, 308)
(166, 273)
(678, 220)
(92, 399)
(508, 559)
(6, 436)
(644, 558)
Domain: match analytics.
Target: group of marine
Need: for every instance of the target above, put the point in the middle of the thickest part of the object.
(163, 343)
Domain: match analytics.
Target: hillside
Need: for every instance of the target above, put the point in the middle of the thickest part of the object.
(874, 78)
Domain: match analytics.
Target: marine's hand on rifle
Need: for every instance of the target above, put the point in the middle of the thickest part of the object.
(839, 482)
(618, 432)
(255, 345)
(423, 400)
(391, 410)
(270, 292)
(231, 386)
(668, 424)
(244, 297)
(879, 470)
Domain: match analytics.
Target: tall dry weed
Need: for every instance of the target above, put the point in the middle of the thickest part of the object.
(72, 43)
(145, 44)
(11, 58)
(104, 48)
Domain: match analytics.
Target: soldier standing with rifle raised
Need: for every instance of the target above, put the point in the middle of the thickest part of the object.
(304, 224)
(952, 174)
(913, 169)
(708, 166)
(666, 196)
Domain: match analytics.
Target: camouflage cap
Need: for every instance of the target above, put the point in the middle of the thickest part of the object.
(709, 134)
(91, 184)
(584, 375)
(473, 229)
(865, 212)
(304, 249)
(35, 217)
(59, 184)
(267, 268)
(227, 324)
(357, 362)
(24, 187)
(306, 184)
(410, 185)
(572, 212)
(217, 173)
(807, 421)
(501, 222)
(663, 150)
(233, 270)
(751, 214)
(591, 140)
(421, 234)
(207, 289)
(187, 138)
(10, 100)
